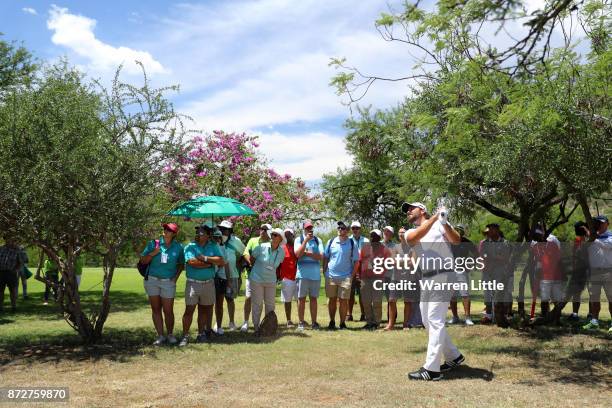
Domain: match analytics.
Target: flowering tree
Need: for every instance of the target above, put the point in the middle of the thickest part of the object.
(228, 164)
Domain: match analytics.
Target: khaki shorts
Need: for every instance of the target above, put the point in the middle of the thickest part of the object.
(601, 278)
(156, 287)
(338, 287)
(200, 293)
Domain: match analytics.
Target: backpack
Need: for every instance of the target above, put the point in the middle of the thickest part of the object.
(331, 241)
(144, 269)
(316, 240)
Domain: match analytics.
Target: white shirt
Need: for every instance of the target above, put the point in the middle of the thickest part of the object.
(434, 248)
(552, 238)
(600, 251)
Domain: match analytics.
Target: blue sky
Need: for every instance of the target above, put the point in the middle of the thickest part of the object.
(256, 66)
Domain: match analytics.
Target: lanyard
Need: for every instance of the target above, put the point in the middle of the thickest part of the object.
(270, 254)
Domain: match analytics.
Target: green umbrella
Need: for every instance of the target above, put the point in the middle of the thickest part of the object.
(211, 206)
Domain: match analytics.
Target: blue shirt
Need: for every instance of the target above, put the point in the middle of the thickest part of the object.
(307, 267)
(266, 262)
(359, 242)
(340, 262)
(173, 256)
(192, 250)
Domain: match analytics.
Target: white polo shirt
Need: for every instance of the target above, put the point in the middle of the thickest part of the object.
(600, 251)
(434, 249)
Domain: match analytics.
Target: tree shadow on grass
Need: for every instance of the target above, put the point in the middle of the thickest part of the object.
(121, 301)
(576, 367)
(116, 345)
(470, 373)
(549, 332)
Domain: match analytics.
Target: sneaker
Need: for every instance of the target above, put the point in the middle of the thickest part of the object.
(453, 320)
(469, 322)
(201, 338)
(300, 326)
(290, 324)
(342, 326)
(449, 365)
(231, 326)
(45, 303)
(315, 326)
(245, 327)
(610, 330)
(160, 341)
(424, 375)
(573, 317)
(592, 325)
(406, 326)
(331, 325)
(184, 341)
(218, 331)
(362, 318)
(172, 340)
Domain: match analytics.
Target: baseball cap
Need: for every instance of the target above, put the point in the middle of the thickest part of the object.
(289, 230)
(356, 224)
(307, 224)
(389, 228)
(408, 206)
(266, 227)
(171, 227)
(377, 232)
(226, 224)
(341, 224)
(601, 218)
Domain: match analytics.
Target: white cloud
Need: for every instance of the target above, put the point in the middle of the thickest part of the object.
(76, 33)
(29, 10)
(256, 64)
(251, 65)
(306, 155)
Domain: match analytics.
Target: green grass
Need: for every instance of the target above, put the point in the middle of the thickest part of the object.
(542, 366)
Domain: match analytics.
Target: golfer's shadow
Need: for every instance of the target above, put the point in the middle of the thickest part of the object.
(467, 372)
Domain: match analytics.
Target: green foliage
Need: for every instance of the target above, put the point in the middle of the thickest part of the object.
(16, 65)
(516, 139)
(78, 172)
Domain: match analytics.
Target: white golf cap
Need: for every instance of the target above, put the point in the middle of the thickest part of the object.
(389, 228)
(279, 232)
(226, 224)
(355, 224)
(407, 206)
(377, 232)
(266, 226)
(289, 230)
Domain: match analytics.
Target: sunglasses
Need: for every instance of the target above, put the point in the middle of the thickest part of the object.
(341, 228)
(274, 234)
(355, 228)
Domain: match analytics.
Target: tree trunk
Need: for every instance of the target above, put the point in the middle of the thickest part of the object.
(586, 211)
(110, 261)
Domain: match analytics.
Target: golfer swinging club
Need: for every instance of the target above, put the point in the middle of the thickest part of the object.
(431, 241)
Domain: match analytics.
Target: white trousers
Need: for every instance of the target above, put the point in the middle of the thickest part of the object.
(262, 293)
(440, 344)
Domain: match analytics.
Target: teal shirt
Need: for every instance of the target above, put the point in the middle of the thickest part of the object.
(266, 262)
(174, 256)
(192, 250)
(233, 249)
